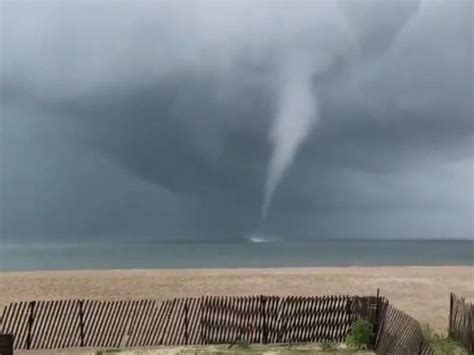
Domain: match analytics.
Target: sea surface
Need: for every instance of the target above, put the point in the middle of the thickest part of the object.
(139, 255)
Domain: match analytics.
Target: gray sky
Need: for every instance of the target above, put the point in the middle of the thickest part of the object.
(158, 119)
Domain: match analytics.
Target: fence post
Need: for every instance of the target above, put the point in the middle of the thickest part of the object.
(470, 332)
(263, 302)
(377, 320)
(186, 321)
(377, 310)
(81, 321)
(202, 320)
(451, 301)
(31, 307)
(6, 344)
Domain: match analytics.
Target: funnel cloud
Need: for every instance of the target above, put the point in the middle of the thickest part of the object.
(297, 114)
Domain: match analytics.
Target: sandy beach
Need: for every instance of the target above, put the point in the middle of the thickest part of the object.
(422, 292)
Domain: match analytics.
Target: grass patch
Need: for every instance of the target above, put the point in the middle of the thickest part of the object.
(329, 346)
(360, 335)
(249, 350)
(243, 348)
(109, 352)
(242, 344)
(442, 344)
(258, 349)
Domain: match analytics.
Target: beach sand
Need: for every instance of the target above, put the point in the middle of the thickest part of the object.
(423, 292)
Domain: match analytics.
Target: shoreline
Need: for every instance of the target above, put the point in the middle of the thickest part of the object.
(242, 268)
(421, 291)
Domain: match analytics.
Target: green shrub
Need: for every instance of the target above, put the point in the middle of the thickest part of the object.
(360, 336)
(443, 345)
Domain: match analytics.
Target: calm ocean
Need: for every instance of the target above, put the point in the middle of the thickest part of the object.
(127, 255)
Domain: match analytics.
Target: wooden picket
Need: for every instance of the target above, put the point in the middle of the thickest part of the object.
(461, 327)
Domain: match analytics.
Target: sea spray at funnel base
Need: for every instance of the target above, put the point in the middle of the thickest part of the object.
(297, 114)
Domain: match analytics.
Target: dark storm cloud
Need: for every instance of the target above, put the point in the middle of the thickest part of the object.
(153, 119)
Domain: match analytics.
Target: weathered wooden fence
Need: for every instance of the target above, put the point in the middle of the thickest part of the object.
(211, 320)
(281, 320)
(73, 323)
(461, 322)
(205, 320)
(400, 334)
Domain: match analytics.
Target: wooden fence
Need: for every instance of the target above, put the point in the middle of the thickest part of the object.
(184, 321)
(400, 334)
(461, 322)
(282, 320)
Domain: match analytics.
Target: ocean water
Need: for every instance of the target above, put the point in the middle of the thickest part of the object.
(127, 255)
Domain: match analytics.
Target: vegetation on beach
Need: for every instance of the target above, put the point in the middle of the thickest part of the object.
(329, 346)
(356, 343)
(442, 344)
(360, 335)
(238, 349)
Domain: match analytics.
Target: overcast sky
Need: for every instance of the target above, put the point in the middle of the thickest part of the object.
(169, 120)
